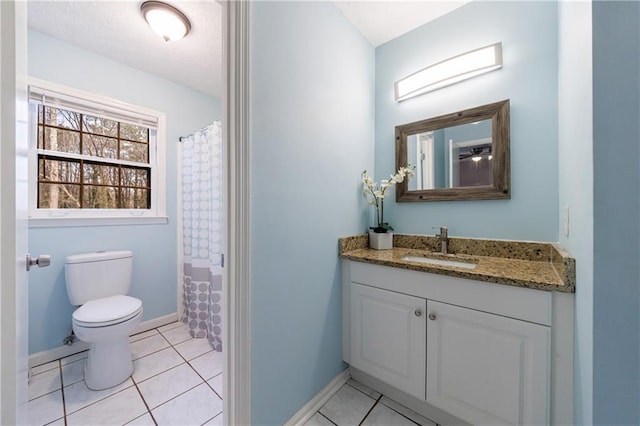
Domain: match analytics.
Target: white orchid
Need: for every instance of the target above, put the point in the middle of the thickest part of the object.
(377, 193)
(367, 180)
(397, 178)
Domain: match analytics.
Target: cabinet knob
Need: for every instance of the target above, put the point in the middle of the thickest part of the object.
(418, 312)
(432, 316)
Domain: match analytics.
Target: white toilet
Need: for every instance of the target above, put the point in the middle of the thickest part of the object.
(100, 282)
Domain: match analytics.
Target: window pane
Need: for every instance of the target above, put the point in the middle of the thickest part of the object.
(61, 140)
(133, 132)
(91, 182)
(58, 196)
(100, 174)
(99, 197)
(100, 146)
(62, 118)
(40, 137)
(134, 198)
(134, 151)
(58, 170)
(100, 126)
(135, 177)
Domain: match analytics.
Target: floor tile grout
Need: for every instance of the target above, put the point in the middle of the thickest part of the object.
(327, 418)
(214, 391)
(64, 405)
(361, 391)
(64, 387)
(371, 409)
(377, 402)
(98, 400)
(202, 380)
(144, 401)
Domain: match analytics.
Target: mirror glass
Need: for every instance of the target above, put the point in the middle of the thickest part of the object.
(451, 157)
(463, 155)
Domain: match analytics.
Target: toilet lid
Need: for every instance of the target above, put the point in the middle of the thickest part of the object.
(108, 310)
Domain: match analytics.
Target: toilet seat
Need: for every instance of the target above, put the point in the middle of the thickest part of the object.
(107, 311)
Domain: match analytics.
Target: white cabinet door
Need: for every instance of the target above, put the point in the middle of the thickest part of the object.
(388, 337)
(485, 368)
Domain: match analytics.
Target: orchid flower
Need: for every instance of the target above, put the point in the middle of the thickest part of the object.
(376, 193)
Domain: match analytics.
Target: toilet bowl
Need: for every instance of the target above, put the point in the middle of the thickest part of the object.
(106, 325)
(99, 283)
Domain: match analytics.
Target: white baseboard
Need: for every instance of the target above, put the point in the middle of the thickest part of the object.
(79, 346)
(310, 408)
(155, 323)
(57, 353)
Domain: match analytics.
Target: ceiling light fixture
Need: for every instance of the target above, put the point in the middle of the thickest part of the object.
(165, 20)
(450, 71)
(476, 154)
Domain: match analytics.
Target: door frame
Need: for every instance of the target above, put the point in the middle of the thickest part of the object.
(13, 215)
(236, 137)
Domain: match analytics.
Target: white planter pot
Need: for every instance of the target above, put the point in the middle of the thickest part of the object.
(379, 241)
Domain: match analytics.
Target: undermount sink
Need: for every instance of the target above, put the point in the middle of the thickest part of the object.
(442, 262)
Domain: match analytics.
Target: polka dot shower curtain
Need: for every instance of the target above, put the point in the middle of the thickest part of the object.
(202, 231)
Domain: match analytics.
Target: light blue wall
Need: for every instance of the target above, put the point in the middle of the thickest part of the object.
(528, 32)
(312, 114)
(616, 147)
(575, 149)
(154, 246)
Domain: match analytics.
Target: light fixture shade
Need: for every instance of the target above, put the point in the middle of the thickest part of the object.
(450, 71)
(165, 20)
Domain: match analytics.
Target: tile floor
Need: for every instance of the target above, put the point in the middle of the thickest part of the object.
(355, 404)
(177, 381)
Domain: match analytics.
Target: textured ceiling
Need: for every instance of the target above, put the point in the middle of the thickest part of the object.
(381, 21)
(117, 30)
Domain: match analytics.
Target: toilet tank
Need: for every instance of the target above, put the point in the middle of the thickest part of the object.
(96, 275)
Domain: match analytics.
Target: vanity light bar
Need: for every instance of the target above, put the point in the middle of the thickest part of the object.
(450, 71)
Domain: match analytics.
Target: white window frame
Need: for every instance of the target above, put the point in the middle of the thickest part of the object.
(90, 103)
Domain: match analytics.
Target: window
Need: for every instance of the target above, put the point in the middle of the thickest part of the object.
(95, 160)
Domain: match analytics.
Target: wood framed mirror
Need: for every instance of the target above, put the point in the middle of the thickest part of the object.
(458, 156)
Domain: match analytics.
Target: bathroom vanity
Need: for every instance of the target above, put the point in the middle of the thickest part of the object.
(484, 335)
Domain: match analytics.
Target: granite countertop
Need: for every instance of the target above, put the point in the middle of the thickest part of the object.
(542, 266)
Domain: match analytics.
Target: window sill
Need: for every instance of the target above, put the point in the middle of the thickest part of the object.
(52, 222)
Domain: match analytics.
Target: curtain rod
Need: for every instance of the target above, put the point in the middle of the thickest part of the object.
(181, 138)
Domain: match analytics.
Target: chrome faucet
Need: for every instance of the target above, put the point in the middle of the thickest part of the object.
(444, 239)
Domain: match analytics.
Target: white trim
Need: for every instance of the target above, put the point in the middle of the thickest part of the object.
(562, 353)
(49, 222)
(78, 346)
(315, 403)
(426, 151)
(155, 323)
(13, 226)
(157, 162)
(236, 127)
(137, 114)
(108, 161)
(56, 353)
(451, 173)
(471, 142)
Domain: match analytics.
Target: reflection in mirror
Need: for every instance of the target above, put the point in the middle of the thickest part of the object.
(464, 155)
(452, 157)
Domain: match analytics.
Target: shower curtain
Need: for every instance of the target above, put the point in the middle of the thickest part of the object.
(202, 232)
